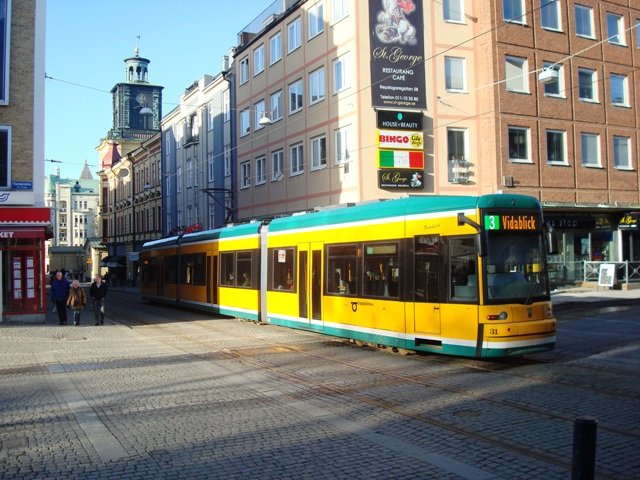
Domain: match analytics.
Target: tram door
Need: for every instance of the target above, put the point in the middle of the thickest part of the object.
(427, 251)
(309, 281)
(212, 280)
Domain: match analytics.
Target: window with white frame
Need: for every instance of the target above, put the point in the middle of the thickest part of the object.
(341, 79)
(455, 74)
(615, 29)
(587, 85)
(296, 158)
(584, 21)
(316, 20)
(275, 48)
(453, 11)
(226, 105)
(227, 160)
(457, 144)
(277, 165)
(295, 96)
(343, 152)
(259, 112)
(261, 170)
(178, 179)
(5, 24)
(554, 88)
(211, 215)
(316, 86)
(590, 143)
(294, 35)
(245, 122)
(550, 15)
(210, 168)
(619, 90)
(243, 76)
(211, 115)
(516, 74)
(189, 173)
(318, 152)
(5, 157)
(637, 29)
(519, 148)
(258, 60)
(276, 105)
(513, 11)
(557, 147)
(622, 152)
(245, 174)
(339, 9)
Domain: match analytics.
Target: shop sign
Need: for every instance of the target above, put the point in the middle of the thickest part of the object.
(401, 159)
(401, 179)
(21, 185)
(628, 220)
(570, 222)
(392, 139)
(399, 120)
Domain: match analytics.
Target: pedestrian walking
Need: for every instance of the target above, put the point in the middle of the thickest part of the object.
(76, 301)
(98, 293)
(60, 287)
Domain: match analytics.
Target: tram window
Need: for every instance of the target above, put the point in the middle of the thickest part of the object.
(342, 275)
(170, 269)
(243, 270)
(381, 270)
(226, 269)
(462, 264)
(283, 269)
(427, 261)
(193, 269)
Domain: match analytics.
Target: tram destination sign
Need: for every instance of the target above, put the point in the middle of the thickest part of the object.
(512, 221)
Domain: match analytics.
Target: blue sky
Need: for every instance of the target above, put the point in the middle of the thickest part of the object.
(87, 42)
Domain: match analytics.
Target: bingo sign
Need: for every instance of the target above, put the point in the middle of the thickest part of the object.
(397, 54)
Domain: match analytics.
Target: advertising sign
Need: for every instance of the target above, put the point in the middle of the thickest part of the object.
(397, 120)
(401, 179)
(401, 159)
(392, 139)
(397, 54)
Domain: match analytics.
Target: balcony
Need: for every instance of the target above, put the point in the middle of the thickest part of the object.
(459, 171)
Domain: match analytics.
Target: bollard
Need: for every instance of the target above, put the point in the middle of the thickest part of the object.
(584, 448)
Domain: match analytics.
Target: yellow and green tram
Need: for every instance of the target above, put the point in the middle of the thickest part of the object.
(448, 274)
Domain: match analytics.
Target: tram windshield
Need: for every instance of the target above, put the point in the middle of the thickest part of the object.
(515, 268)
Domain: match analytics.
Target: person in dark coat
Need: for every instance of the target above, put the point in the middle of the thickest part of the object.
(59, 295)
(98, 293)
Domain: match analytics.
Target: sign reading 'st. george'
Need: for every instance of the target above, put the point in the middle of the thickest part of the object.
(397, 53)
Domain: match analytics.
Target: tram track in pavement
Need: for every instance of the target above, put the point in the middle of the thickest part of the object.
(248, 356)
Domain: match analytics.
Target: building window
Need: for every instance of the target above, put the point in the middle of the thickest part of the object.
(619, 90)
(452, 11)
(295, 96)
(296, 157)
(210, 168)
(316, 86)
(340, 9)
(556, 147)
(227, 161)
(5, 23)
(275, 48)
(584, 21)
(519, 150)
(343, 145)
(316, 20)
(259, 112)
(556, 87)
(261, 173)
(587, 85)
(550, 15)
(590, 143)
(211, 116)
(178, 179)
(189, 173)
(226, 105)
(245, 174)
(276, 105)
(615, 29)
(455, 76)
(245, 122)
(621, 153)
(5, 157)
(294, 35)
(637, 29)
(277, 165)
(513, 11)
(516, 74)
(258, 60)
(318, 152)
(340, 74)
(244, 70)
(457, 143)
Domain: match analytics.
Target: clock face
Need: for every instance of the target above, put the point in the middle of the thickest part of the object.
(141, 98)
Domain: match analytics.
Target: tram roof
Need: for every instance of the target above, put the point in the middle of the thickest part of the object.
(401, 207)
(231, 231)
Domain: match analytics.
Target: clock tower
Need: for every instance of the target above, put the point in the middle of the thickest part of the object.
(137, 104)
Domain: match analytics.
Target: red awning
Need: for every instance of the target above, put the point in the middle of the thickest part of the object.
(24, 215)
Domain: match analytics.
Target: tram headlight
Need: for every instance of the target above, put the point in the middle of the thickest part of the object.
(500, 316)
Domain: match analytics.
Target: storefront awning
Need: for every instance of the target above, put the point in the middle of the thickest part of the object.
(113, 261)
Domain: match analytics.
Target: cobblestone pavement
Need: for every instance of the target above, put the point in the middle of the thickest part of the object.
(163, 393)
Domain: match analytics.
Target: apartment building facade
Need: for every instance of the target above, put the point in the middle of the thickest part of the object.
(24, 219)
(517, 96)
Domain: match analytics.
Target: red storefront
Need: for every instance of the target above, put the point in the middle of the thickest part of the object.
(23, 232)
